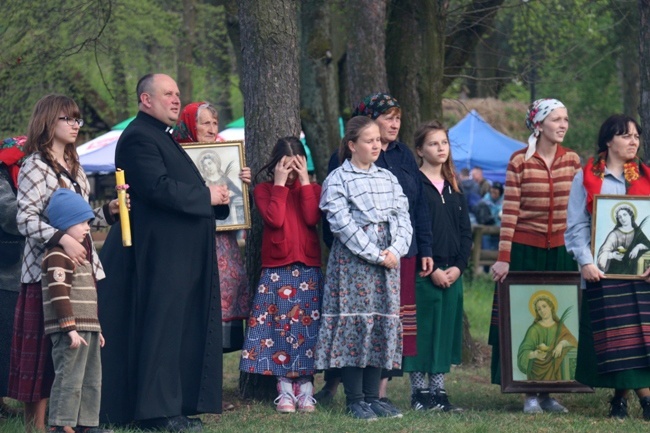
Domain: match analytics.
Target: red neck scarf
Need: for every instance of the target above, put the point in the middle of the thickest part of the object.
(636, 173)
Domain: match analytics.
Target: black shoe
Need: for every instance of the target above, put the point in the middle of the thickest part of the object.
(440, 402)
(361, 410)
(324, 397)
(175, 424)
(83, 429)
(618, 408)
(55, 429)
(421, 400)
(384, 410)
(645, 405)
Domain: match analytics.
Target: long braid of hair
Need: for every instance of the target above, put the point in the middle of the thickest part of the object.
(47, 156)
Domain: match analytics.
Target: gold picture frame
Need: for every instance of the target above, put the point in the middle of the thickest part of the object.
(219, 164)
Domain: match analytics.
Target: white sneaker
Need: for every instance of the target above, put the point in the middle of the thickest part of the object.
(286, 400)
(531, 405)
(552, 405)
(305, 397)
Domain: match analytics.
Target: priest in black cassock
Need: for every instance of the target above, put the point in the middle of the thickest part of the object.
(160, 306)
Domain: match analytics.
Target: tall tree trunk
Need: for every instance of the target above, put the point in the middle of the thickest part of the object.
(644, 67)
(403, 38)
(365, 60)
(220, 64)
(627, 31)
(186, 51)
(431, 87)
(120, 88)
(318, 94)
(270, 85)
(234, 32)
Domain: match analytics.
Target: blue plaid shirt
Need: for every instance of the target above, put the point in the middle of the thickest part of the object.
(354, 199)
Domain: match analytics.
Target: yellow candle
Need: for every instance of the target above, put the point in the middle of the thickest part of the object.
(120, 185)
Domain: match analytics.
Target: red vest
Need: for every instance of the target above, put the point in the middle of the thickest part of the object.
(593, 183)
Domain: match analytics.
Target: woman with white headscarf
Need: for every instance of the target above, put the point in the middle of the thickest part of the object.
(538, 181)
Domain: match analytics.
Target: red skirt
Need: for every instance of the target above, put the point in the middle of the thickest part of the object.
(408, 269)
(31, 372)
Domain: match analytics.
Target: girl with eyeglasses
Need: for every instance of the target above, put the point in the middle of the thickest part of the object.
(52, 163)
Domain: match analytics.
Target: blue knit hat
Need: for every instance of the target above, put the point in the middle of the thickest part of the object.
(67, 208)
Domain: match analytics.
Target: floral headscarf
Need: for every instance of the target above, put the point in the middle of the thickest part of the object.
(375, 105)
(12, 155)
(535, 115)
(185, 129)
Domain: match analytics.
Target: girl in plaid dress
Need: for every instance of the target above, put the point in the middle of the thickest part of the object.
(361, 331)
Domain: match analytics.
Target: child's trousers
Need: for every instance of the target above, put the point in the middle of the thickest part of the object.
(76, 392)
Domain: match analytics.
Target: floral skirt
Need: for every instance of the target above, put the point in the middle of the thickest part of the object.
(360, 322)
(283, 322)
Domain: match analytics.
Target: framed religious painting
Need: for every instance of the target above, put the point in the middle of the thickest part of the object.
(220, 163)
(620, 233)
(538, 332)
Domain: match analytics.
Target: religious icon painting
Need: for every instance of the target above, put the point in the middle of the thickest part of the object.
(220, 164)
(620, 235)
(538, 331)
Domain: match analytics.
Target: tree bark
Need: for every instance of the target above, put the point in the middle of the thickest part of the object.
(318, 94)
(431, 87)
(403, 38)
(365, 59)
(270, 85)
(476, 21)
(186, 50)
(644, 67)
(627, 32)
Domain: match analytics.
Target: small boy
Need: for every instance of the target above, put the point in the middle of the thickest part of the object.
(70, 314)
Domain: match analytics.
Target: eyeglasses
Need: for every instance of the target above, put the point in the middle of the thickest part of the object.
(71, 121)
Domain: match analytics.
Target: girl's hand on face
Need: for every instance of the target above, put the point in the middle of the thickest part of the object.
(245, 175)
(300, 165)
(282, 170)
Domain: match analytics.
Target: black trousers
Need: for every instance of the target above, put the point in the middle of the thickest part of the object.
(361, 383)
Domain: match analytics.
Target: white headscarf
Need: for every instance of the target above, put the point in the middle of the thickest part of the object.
(537, 112)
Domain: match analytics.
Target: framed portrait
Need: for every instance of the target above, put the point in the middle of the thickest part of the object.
(538, 331)
(620, 233)
(220, 163)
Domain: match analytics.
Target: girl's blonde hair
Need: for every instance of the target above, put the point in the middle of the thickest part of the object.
(353, 130)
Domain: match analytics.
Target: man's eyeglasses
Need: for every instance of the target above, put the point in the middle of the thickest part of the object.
(71, 121)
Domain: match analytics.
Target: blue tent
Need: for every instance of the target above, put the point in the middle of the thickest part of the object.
(474, 143)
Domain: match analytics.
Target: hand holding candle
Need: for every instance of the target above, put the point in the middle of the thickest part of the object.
(121, 187)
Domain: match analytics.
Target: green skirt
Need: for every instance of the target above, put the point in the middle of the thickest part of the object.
(440, 327)
(525, 258)
(586, 370)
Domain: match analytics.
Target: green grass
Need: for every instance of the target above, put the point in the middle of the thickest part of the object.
(487, 409)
